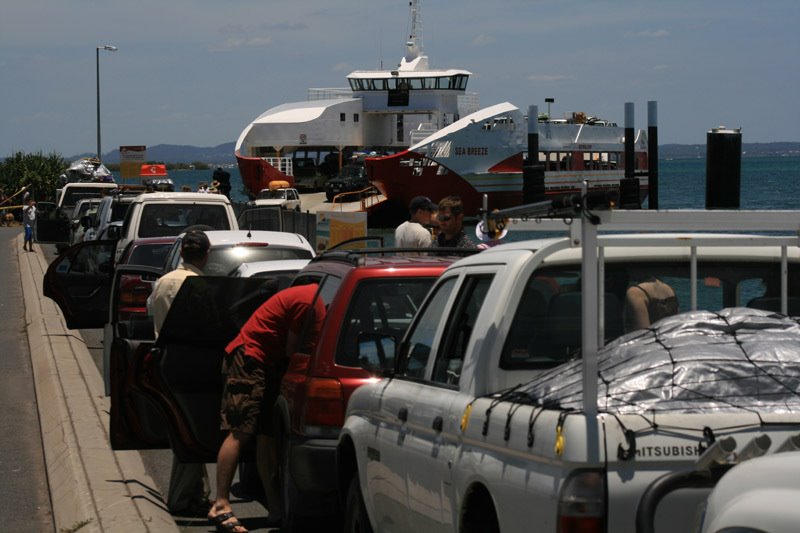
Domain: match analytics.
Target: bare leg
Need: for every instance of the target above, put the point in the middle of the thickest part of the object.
(227, 461)
(267, 463)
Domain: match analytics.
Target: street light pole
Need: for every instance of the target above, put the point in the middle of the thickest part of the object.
(108, 48)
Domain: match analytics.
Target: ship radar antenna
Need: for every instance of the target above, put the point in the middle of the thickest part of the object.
(414, 43)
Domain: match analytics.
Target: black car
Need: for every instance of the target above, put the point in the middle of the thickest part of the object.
(351, 179)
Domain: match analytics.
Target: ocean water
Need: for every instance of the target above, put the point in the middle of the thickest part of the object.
(766, 182)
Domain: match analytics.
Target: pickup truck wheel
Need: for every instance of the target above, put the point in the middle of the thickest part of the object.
(355, 513)
(480, 516)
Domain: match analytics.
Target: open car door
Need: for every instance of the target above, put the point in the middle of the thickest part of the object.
(169, 393)
(79, 281)
(52, 224)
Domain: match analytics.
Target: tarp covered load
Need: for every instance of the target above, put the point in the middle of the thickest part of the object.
(698, 361)
(87, 169)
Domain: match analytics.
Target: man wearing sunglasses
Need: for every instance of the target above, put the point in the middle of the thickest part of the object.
(451, 224)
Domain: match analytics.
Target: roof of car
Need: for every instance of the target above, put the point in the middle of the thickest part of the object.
(234, 237)
(278, 265)
(182, 196)
(377, 259)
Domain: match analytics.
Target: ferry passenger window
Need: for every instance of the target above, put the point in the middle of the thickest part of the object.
(355, 117)
(342, 117)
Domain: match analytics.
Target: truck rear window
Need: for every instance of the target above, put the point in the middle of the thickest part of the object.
(161, 220)
(546, 330)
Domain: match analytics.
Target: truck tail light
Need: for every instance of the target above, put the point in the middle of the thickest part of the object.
(133, 293)
(582, 503)
(324, 408)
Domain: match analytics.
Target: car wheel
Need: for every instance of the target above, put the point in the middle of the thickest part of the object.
(356, 519)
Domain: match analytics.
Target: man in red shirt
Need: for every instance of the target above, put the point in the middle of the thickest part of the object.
(254, 364)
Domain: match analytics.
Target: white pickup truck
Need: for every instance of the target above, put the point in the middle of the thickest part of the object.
(517, 406)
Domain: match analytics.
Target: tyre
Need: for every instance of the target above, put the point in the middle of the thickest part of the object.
(356, 519)
(480, 516)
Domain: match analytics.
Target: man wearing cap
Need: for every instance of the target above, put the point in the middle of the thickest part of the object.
(188, 483)
(413, 233)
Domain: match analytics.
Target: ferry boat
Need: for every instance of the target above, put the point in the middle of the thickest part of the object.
(382, 111)
(484, 152)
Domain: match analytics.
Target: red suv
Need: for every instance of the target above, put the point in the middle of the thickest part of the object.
(364, 293)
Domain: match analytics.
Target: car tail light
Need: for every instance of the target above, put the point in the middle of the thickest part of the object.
(133, 293)
(324, 409)
(582, 504)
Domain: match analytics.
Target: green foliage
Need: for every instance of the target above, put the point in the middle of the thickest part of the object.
(37, 171)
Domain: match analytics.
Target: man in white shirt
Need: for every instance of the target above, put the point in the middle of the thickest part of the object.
(413, 233)
(188, 484)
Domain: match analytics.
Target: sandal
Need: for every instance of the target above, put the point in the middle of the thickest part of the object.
(227, 527)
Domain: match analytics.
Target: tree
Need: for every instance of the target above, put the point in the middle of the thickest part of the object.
(36, 171)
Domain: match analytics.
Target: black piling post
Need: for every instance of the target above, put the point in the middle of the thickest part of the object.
(723, 168)
(629, 195)
(533, 172)
(652, 154)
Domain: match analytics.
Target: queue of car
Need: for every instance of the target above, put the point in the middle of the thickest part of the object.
(155, 404)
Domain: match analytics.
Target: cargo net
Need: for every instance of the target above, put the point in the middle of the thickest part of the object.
(734, 359)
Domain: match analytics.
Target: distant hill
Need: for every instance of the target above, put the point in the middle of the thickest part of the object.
(176, 153)
(223, 153)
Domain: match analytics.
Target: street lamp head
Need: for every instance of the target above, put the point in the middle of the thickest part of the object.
(108, 47)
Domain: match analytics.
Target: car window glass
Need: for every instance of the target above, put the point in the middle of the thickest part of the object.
(118, 211)
(223, 261)
(420, 340)
(546, 329)
(89, 260)
(153, 255)
(261, 218)
(459, 327)
(166, 219)
(325, 294)
(383, 306)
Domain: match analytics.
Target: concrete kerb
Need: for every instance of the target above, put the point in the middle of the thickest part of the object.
(92, 488)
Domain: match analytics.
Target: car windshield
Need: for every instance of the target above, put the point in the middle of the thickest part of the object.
(73, 195)
(223, 261)
(167, 219)
(154, 255)
(272, 195)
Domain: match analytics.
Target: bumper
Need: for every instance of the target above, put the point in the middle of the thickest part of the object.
(313, 466)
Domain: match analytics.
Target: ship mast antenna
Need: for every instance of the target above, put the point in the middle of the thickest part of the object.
(414, 44)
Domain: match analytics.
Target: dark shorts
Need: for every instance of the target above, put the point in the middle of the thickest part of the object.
(248, 396)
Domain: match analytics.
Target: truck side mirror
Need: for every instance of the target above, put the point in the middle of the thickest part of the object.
(113, 233)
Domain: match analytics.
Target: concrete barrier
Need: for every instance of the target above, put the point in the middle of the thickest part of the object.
(92, 487)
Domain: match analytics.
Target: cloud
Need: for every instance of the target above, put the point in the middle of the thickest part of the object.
(238, 43)
(284, 26)
(651, 34)
(549, 77)
(341, 67)
(482, 40)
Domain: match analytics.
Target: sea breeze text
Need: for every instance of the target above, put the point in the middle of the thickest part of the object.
(472, 150)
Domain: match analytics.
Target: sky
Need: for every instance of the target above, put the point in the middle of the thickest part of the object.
(197, 72)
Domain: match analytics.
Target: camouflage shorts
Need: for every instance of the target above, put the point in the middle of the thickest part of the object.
(243, 397)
